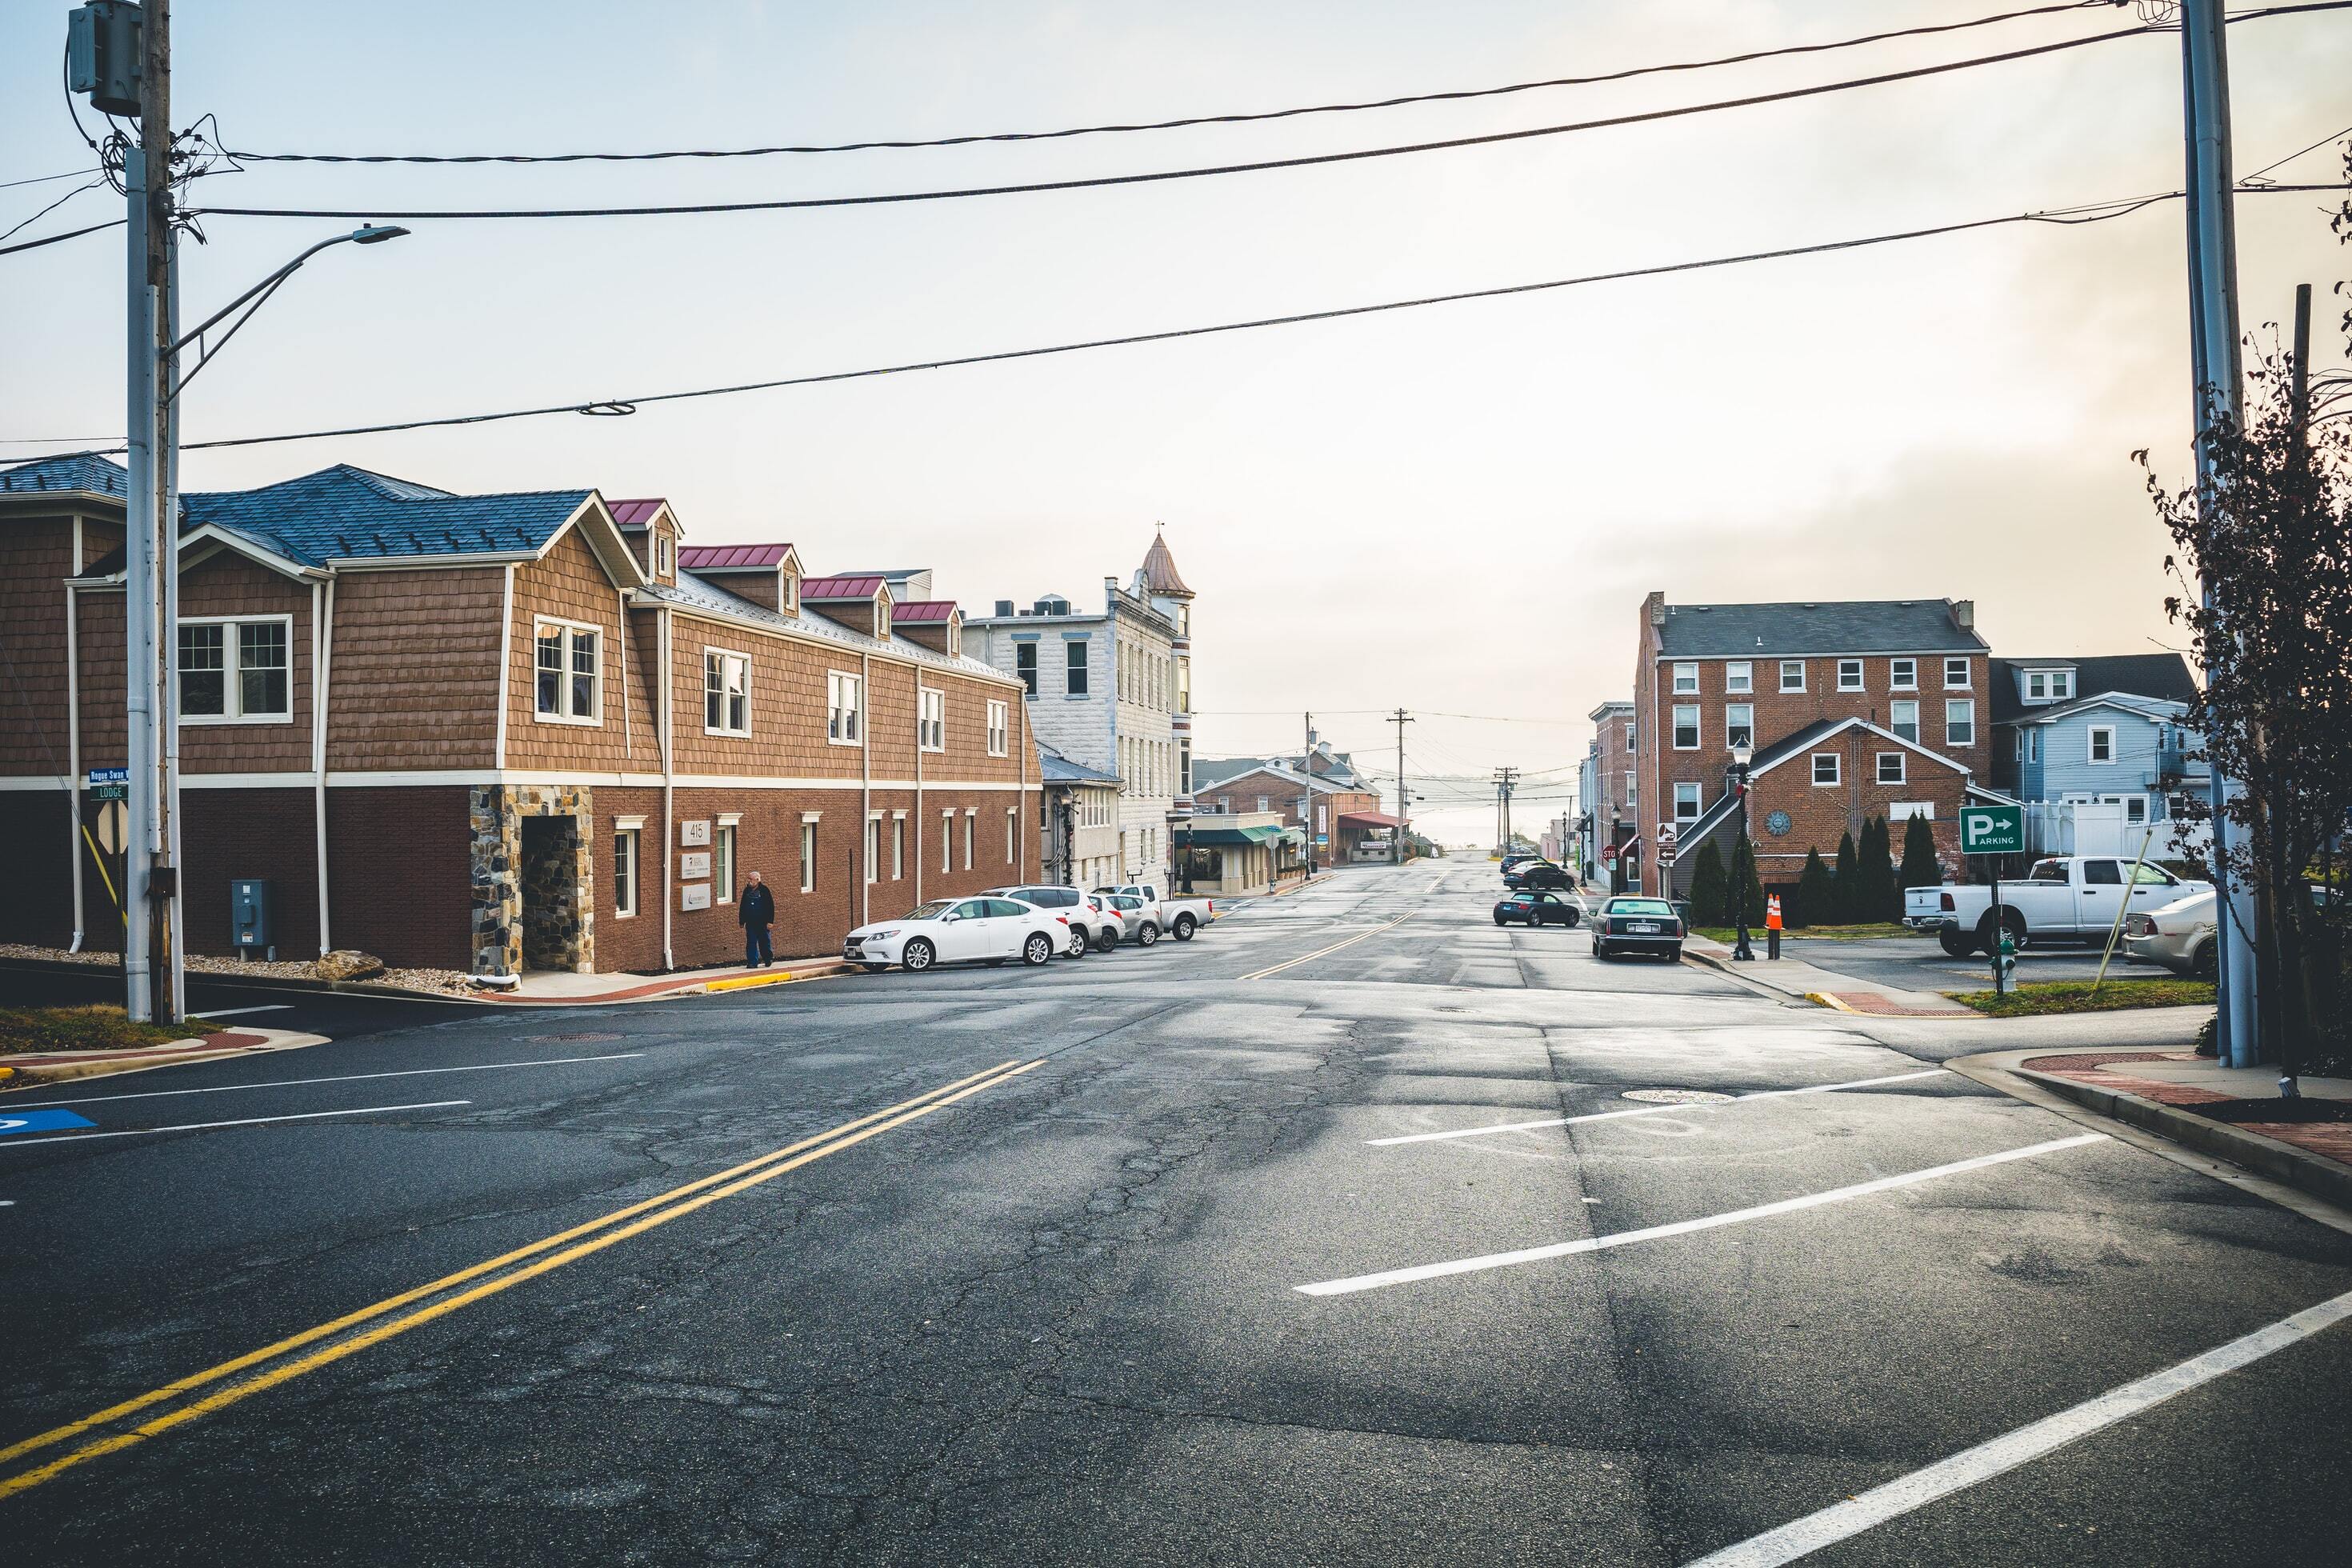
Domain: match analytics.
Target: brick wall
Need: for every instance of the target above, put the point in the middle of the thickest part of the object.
(398, 873)
(38, 907)
(227, 834)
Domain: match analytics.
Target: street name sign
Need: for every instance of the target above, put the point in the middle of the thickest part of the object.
(1992, 829)
(108, 784)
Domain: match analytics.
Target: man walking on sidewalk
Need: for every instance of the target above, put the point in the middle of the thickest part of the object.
(756, 912)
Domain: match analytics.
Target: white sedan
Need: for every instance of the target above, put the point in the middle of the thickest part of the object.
(961, 930)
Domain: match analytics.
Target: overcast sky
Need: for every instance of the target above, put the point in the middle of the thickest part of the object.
(1456, 508)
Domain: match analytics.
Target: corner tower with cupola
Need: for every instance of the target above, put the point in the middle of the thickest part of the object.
(1158, 580)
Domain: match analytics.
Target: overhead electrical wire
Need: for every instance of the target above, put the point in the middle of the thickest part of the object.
(1176, 124)
(1156, 176)
(53, 238)
(2088, 213)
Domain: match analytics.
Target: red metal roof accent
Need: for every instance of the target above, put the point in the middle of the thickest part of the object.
(635, 513)
(841, 587)
(918, 610)
(730, 557)
(1368, 818)
(1160, 569)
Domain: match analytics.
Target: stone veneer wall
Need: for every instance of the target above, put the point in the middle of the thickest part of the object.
(495, 814)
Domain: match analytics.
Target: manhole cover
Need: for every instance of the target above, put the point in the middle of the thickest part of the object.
(583, 1040)
(1676, 1096)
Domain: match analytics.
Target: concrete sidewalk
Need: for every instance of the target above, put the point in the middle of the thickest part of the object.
(1802, 982)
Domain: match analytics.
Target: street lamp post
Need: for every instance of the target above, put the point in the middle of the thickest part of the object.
(1740, 757)
(1616, 851)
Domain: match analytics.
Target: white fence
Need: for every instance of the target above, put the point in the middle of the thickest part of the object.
(2080, 827)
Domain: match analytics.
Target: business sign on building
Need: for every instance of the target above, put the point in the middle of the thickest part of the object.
(694, 831)
(694, 896)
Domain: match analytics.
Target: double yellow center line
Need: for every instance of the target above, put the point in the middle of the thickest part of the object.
(278, 1364)
(1321, 952)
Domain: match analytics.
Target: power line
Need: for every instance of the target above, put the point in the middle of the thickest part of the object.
(2089, 212)
(1259, 166)
(1231, 119)
(45, 179)
(52, 239)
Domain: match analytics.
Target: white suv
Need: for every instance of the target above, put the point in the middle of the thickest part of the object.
(1091, 926)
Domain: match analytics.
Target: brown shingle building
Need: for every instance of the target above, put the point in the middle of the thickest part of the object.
(497, 733)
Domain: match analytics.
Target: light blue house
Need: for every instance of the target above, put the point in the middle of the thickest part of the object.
(2116, 748)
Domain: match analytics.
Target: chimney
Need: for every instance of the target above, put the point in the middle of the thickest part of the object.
(1964, 614)
(1655, 606)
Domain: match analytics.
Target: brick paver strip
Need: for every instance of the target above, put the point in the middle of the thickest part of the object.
(2330, 1139)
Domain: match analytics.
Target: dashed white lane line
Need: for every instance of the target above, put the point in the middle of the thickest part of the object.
(248, 1121)
(1646, 1111)
(347, 1078)
(1685, 1228)
(241, 1012)
(1965, 1468)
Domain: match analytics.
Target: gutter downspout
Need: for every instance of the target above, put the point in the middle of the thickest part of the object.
(664, 727)
(322, 653)
(506, 667)
(73, 737)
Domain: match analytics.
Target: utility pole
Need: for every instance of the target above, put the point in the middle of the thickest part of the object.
(1306, 800)
(1396, 839)
(1505, 778)
(2217, 377)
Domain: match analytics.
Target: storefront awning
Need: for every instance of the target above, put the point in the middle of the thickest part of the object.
(1368, 818)
(1197, 837)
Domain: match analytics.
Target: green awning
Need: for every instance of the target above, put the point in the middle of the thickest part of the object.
(1202, 837)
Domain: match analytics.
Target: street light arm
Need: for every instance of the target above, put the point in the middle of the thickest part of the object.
(370, 235)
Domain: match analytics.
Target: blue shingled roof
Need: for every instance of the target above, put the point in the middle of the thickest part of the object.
(340, 513)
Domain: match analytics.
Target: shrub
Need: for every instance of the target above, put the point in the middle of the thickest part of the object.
(1845, 898)
(1816, 894)
(1710, 888)
(1920, 867)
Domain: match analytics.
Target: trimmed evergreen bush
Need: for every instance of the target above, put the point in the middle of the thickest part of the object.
(1920, 867)
(1816, 894)
(1845, 898)
(1710, 888)
(1743, 875)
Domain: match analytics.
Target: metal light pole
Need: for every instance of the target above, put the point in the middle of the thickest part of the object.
(1740, 757)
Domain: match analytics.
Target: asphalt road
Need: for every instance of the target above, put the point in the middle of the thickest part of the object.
(1174, 1293)
(339, 1015)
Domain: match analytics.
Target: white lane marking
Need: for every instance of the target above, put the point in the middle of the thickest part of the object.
(347, 1078)
(1801, 1537)
(248, 1121)
(1685, 1228)
(241, 1012)
(1644, 1111)
(1319, 953)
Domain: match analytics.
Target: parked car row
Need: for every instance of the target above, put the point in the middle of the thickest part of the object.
(1030, 922)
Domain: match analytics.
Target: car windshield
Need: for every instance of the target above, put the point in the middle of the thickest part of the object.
(1640, 907)
(930, 912)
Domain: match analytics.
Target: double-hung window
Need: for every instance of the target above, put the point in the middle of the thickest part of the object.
(968, 818)
(808, 856)
(1739, 724)
(932, 719)
(722, 862)
(1792, 675)
(1740, 676)
(1960, 723)
(999, 729)
(1010, 812)
(726, 693)
(1687, 803)
(1903, 674)
(947, 841)
(2102, 743)
(1024, 665)
(1825, 767)
(1956, 674)
(899, 846)
(1903, 717)
(1073, 661)
(844, 707)
(1849, 675)
(624, 872)
(236, 671)
(569, 672)
(1890, 767)
(1685, 679)
(1686, 728)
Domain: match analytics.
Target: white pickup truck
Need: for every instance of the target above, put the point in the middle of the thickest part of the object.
(2067, 896)
(1179, 916)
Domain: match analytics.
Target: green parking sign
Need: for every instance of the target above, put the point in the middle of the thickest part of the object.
(1992, 829)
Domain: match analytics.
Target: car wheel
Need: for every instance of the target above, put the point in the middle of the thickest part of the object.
(1675, 955)
(1501, 921)
(1185, 926)
(1079, 945)
(1599, 949)
(1573, 919)
(1147, 933)
(1955, 943)
(919, 955)
(1989, 936)
(1106, 939)
(2204, 964)
(1039, 949)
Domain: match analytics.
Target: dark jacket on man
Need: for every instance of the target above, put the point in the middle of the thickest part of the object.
(757, 906)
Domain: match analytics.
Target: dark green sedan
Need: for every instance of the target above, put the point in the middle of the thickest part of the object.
(1537, 908)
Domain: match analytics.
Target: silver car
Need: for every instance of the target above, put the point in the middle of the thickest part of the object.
(2179, 936)
(1139, 921)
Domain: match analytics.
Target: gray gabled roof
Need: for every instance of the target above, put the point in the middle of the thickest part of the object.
(1059, 769)
(2159, 675)
(1851, 627)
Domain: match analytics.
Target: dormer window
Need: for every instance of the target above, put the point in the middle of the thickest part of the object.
(2049, 685)
(665, 557)
(791, 598)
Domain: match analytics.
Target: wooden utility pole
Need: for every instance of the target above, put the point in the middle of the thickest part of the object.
(1396, 838)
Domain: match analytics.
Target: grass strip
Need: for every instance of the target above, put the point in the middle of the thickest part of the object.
(2040, 998)
(96, 1028)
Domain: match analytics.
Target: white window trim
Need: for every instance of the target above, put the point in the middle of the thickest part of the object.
(1697, 800)
(971, 830)
(710, 652)
(231, 687)
(1000, 728)
(1747, 687)
(858, 709)
(1675, 725)
(1971, 704)
(946, 839)
(1902, 774)
(1785, 671)
(805, 847)
(1895, 680)
(1965, 682)
(1684, 672)
(722, 888)
(873, 847)
(594, 720)
(1837, 770)
(1728, 706)
(926, 697)
(2091, 746)
(1860, 677)
(1896, 726)
(1012, 831)
(630, 828)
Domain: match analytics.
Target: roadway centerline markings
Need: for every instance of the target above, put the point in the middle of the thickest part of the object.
(1685, 1228)
(1321, 952)
(1645, 1111)
(247, 1121)
(346, 1078)
(590, 1236)
(1802, 1537)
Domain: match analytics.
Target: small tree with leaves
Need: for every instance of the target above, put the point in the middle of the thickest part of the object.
(1710, 888)
(1816, 892)
(1920, 867)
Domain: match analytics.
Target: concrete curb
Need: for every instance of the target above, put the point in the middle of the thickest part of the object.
(49, 1069)
(258, 982)
(1746, 972)
(817, 969)
(2314, 1187)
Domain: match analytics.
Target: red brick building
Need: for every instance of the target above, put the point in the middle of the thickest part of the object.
(497, 733)
(1344, 813)
(1855, 710)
